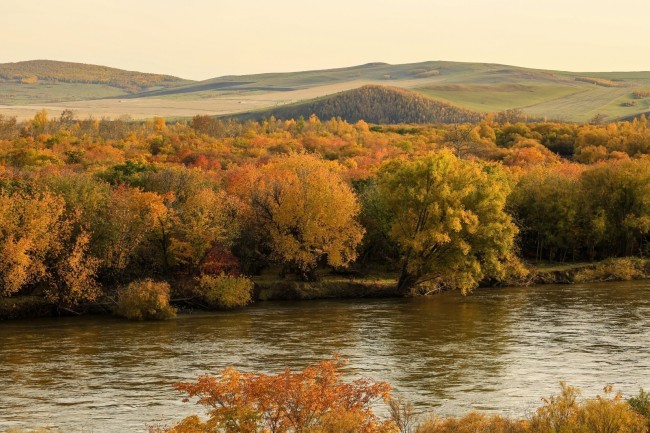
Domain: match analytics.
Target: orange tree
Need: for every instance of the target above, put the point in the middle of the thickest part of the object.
(312, 400)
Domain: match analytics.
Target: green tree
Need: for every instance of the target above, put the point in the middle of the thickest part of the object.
(448, 219)
(616, 207)
(546, 203)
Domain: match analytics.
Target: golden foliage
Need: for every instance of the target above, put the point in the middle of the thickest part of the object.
(448, 218)
(615, 269)
(174, 200)
(566, 414)
(32, 230)
(201, 220)
(131, 218)
(225, 291)
(473, 423)
(75, 275)
(145, 300)
(306, 212)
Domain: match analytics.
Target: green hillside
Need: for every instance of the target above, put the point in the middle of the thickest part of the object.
(374, 104)
(482, 87)
(52, 81)
(479, 87)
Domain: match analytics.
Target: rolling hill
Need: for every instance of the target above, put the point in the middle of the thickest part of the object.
(26, 87)
(374, 104)
(50, 81)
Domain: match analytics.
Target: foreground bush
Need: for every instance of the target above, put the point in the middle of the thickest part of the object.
(314, 400)
(640, 404)
(225, 291)
(473, 423)
(565, 413)
(145, 300)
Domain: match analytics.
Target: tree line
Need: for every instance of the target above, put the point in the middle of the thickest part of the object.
(89, 205)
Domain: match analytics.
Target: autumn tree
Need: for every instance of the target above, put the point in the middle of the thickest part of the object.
(448, 219)
(615, 207)
(38, 245)
(315, 399)
(31, 232)
(8, 127)
(40, 121)
(201, 217)
(546, 201)
(305, 212)
(130, 230)
(459, 139)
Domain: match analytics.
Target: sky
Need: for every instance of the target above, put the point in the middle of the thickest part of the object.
(201, 39)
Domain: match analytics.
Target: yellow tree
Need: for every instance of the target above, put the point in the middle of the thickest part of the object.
(305, 212)
(38, 245)
(204, 220)
(31, 231)
(134, 225)
(448, 218)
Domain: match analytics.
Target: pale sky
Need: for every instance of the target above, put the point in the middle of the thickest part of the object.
(200, 39)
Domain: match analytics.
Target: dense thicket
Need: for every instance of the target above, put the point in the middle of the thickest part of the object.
(91, 205)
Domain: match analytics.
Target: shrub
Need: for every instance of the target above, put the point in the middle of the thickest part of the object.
(640, 94)
(640, 404)
(619, 269)
(316, 400)
(473, 423)
(609, 415)
(313, 400)
(225, 291)
(145, 300)
(565, 414)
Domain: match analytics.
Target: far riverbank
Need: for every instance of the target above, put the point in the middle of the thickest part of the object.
(372, 284)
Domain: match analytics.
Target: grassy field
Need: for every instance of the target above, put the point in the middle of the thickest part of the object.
(14, 93)
(477, 86)
(498, 97)
(583, 106)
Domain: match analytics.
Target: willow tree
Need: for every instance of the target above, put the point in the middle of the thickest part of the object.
(448, 218)
(306, 213)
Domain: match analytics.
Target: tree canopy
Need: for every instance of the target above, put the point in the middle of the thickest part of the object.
(449, 220)
(305, 212)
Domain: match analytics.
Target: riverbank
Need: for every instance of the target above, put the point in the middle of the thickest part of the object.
(381, 285)
(615, 269)
(373, 284)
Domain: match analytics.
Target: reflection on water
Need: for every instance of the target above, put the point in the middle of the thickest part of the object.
(498, 349)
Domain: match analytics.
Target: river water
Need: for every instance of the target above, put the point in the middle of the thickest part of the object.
(495, 350)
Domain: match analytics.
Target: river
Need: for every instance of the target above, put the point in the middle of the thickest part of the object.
(495, 350)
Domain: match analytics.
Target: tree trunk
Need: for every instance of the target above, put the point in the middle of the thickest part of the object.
(406, 282)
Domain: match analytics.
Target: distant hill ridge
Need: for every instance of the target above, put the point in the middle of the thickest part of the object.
(32, 71)
(469, 88)
(374, 104)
